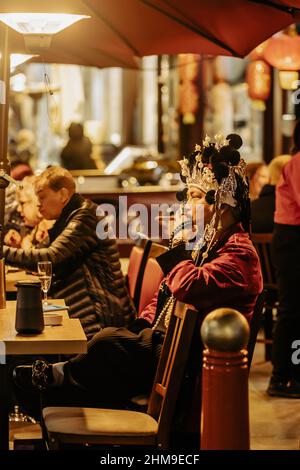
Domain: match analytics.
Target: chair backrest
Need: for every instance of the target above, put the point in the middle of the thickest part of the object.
(136, 267)
(262, 243)
(171, 368)
(137, 260)
(255, 324)
(151, 277)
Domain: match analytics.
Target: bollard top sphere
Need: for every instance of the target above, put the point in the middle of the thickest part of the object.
(225, 329)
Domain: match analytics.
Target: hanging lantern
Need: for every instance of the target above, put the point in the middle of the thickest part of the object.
(283, 52)
(188, 101)
(258, 52)
(188, 66)
(259, 80)
(288, 79)
(188, 91)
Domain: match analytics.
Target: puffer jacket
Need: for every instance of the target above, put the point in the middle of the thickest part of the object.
(86, 270)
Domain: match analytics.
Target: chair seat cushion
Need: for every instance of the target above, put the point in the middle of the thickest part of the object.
(98, 421)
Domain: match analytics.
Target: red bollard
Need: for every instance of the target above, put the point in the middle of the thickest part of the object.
(225, 406)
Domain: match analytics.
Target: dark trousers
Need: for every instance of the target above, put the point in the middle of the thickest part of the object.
(119, 364)
(286, 258)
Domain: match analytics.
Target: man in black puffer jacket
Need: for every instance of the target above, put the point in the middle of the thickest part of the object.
(86, 270)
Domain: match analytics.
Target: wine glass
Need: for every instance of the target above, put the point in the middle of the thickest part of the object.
(45, 275)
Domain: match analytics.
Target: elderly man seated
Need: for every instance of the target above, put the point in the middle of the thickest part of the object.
(86, 270)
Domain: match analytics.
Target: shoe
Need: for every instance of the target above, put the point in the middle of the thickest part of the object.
(290, 389)
(38, 376)
(22, 376)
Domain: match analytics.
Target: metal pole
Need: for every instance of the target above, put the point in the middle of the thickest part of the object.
(4, 163)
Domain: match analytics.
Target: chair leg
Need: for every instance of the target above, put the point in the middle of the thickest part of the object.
(268, 332)
(53, 443)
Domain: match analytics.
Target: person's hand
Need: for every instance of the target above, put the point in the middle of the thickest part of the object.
(26, 242)
(183, 225)
(42, 231)
(41, 235)
(13, 239)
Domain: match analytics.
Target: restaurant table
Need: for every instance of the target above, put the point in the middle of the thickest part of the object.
(68, 338)
(12, 277)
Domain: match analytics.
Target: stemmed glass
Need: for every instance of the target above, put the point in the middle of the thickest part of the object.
(45, 275)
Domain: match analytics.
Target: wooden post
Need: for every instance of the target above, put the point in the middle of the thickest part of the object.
(225, 408)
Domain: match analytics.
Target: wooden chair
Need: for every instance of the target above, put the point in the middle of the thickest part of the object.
(151, 277)
(255, 325)
(95, 426)
(136, 266)
(262, 243)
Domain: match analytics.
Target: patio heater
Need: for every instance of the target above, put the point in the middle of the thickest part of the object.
(38, 29)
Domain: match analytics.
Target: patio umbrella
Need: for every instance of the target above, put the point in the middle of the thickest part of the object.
(118, 30)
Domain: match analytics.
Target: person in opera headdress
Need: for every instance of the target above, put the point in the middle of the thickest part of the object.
(219, 269)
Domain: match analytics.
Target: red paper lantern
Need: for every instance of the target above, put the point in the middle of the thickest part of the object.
(259, 80)
(188, 92)
(188, 66)
(188, 98)
(283, 52)
(258, 52)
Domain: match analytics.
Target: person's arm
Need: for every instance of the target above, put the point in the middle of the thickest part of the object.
(148, 313)
(226, 274)
(76, 240)
(291, 174)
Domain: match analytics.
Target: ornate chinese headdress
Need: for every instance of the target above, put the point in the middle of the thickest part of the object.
(215, 169)
(218, 170)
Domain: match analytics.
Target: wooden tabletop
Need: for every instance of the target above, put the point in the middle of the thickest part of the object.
(12, 278)
(68, 338)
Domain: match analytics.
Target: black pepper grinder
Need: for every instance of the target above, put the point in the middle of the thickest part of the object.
(29, 314)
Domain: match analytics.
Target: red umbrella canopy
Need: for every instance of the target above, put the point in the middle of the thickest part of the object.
(119, 30)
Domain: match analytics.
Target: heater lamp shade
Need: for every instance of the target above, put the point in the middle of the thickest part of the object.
(39, 23)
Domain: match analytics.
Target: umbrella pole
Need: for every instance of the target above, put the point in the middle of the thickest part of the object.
(4, 163)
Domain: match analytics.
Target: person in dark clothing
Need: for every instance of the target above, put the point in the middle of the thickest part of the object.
(86, 270)
(285, 379)
(263, 208)
(222, 269)
(76, 155)
(258, 176)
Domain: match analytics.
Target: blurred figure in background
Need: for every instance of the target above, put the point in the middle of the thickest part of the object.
(33, 232)
(285, 380)
(19, 169)
(258, 176)
(263, 208)
(12, 217)
(76, 155)
(25, 148)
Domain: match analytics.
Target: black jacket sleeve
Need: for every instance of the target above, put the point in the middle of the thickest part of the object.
(77, 240)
